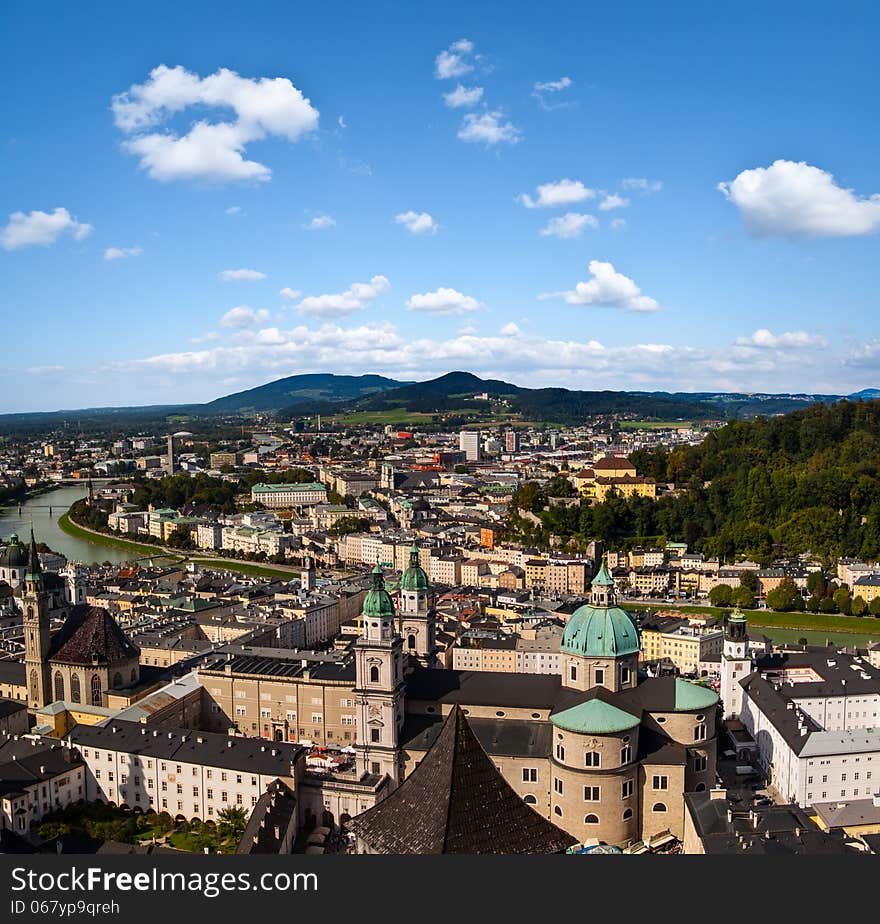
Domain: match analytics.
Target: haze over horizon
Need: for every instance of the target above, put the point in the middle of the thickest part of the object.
(571, 202)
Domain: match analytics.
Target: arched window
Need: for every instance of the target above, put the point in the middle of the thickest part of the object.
(591, 819)
(627, 814)
(117, 681)
(33, 684)
(557, 811)
(659, 807)
(701, 787)
(97, 693)
(626, 754)
(59, 685)
(530, 800)
(374, 674)
(592, 759)
(411, 640)
(74, 689)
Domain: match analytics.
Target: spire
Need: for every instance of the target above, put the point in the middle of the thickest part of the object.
(34, 569)
(414, 555)
(378, 577)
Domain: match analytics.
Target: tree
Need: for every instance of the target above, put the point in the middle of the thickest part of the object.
(859, 606)
(874, 606)
(743, 598)
(842, 600)
(827, 605)
(814, 604)
(721, 595)
(786, 597)
(816, 583)
(233, 820)
(749, 579)
(559, 486)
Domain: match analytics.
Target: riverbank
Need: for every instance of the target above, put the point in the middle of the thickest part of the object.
(147, 550)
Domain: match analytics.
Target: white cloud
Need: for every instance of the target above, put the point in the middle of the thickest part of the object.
(542, 89)
(642, 184)
(242, 316)
(571, 224)
(452, 62)
(618, 223)
(554, 195)
(210, 337)
(417, 222)
(608, 288)
(443, 301)
(795, 339)
(356, 298)
(120, 253)
(510, 330)
(320, 223)
(212, 152)
(291, 294)
(553, 86)
(233, 210)
(488, 128)
(463, 97)
(613, 201)
(40, 229)
(240, 275)
(789, 199)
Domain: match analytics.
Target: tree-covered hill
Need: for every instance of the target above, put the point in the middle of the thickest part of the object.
(806, 481)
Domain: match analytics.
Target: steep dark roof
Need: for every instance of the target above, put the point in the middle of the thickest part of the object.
(483, 688)
(456, 801)
(270, 820)
(91, 634)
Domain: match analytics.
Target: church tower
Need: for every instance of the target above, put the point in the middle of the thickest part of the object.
(307, 575)
(379, 685)
(736, 663)
(418, 618)
(35, 604)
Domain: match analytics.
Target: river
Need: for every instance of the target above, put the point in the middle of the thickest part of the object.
(46, 526)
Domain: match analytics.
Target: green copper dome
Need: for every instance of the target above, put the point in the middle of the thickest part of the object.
(594, 717)
(600, 632)
(378, 602)
(690, 696)
(414, 578)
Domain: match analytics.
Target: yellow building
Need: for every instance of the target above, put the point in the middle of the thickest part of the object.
(625, 486)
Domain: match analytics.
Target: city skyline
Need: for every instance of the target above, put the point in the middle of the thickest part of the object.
(565, 200)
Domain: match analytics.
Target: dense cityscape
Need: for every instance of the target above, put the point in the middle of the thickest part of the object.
(305, 626)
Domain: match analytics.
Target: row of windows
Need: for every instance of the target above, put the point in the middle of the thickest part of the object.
(842, 777)
(594, 758)
(593, 819)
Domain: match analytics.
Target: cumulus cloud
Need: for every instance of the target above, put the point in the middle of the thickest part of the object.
(40, 229)
(510, 330)
(417, 222)
(571, 224)
(320, 223)
(242, 316)
(120, 253)
(233, 210)
(488, 128)
(240, 275)
(613, 201)
(607, 288)
(443, 301)
(210, 337)
(209, 151)
(454, 60)
(291, 294)
(553, 195)
(356, 298)
(642, 184)
(789, 199)
(463, 97)
(795, 339)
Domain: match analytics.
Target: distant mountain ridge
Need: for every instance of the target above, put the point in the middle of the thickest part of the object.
(327, 393)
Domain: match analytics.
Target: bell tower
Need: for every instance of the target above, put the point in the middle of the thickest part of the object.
(736, 663)
(34, 601)
(379, 685)
(418, 618)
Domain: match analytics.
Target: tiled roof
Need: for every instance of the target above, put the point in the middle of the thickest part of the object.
(456, 801)
(91, 635)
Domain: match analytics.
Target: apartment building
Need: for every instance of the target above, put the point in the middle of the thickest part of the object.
(281, 496)
(189, 774)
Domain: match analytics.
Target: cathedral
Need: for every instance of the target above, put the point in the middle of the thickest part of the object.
(602, 751)
(80, 663)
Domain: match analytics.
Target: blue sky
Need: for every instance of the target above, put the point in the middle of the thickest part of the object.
(706, 222)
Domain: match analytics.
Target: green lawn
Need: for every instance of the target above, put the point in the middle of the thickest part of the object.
(815, 637)
(655, 424)
(65, 524)
(819, 622)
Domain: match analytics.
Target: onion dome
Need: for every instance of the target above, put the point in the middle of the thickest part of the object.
(414, 578)
(378, 601)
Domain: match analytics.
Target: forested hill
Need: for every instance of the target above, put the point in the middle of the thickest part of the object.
(808, 481)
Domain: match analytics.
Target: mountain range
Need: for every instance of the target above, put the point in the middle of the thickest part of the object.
(326, 393)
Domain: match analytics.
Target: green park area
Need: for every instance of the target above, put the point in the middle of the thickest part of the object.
(109, 823)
